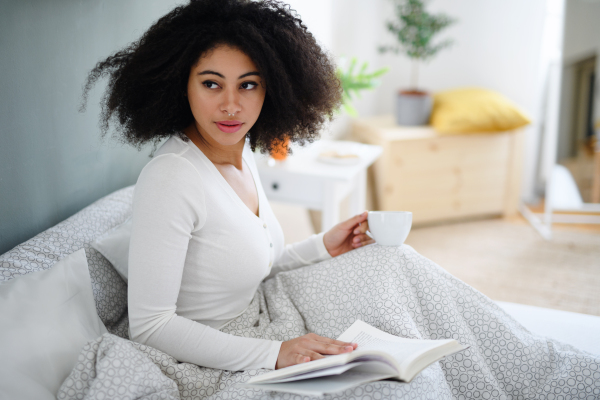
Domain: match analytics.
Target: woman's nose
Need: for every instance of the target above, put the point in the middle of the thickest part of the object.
(231, 102)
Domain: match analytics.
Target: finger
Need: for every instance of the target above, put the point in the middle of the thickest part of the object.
(362, 228)
(357, 245)
(313, 355)
(330, 348)
(354, 221)
(361, 238)
(301, 358)
(333, 341)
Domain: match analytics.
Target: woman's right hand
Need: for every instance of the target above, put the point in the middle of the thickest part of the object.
(310, 347)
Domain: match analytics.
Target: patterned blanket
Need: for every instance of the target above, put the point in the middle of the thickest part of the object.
(394, 289)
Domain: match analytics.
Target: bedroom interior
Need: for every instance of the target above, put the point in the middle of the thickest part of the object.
(54, 165)
(571, 259)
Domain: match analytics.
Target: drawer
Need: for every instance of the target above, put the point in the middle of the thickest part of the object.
(293, 189)
(444, 177)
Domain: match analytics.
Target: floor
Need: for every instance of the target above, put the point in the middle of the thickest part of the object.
(508, 261)
(503, 258)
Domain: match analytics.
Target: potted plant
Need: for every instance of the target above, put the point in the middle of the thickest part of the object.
(414, 29)
(353, 82)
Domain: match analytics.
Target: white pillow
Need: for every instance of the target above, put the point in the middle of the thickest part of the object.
(114, 246)
(46, 317)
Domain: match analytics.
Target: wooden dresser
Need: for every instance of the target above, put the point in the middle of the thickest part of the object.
(443, 177)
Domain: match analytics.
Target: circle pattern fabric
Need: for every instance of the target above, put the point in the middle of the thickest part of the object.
(111, 368)
(401, 292)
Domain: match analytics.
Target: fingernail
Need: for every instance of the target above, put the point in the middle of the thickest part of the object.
(349, 348)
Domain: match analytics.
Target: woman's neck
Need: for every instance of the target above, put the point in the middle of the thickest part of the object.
(215, 152)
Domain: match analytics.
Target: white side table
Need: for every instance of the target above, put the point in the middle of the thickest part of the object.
(303, 180)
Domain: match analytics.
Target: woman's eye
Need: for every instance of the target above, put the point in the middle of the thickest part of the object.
(210, 84)
(249, 85)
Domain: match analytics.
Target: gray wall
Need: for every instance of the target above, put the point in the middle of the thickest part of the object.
(52, 161)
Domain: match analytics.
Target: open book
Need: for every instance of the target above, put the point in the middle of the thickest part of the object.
(379, 355)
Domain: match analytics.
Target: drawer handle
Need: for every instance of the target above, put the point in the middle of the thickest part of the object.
(275, 185)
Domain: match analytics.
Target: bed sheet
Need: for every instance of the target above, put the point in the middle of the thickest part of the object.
(579, 330)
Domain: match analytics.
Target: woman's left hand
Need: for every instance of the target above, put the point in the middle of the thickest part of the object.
(348, 235)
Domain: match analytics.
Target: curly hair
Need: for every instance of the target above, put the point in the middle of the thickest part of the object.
(146, 93)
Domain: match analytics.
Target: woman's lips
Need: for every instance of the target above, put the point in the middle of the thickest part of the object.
(229, 126)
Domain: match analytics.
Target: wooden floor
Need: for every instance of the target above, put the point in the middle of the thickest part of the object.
(507, 260)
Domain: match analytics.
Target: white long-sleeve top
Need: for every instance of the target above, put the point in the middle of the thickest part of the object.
(197, 256)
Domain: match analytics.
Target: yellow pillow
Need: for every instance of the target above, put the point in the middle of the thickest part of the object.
(473, 110)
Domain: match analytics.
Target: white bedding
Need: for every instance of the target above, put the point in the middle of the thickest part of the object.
(579, 330)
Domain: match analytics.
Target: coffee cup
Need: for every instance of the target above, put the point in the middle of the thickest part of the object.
(389, 228)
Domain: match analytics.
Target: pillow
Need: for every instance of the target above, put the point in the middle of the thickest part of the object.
(114, 246)
(473, 110)
(46, 318)
(79, 230)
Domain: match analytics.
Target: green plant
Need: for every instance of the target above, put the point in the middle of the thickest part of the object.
(353, 83)
(414, 29)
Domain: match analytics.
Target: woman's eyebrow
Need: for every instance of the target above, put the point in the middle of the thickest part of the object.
(209, 72)
(249, 74)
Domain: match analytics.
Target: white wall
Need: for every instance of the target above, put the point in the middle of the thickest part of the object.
(317, 16)
(497, 45)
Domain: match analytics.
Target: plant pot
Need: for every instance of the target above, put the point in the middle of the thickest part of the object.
(413, 108)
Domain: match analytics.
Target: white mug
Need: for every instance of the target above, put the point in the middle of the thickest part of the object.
(390, 228)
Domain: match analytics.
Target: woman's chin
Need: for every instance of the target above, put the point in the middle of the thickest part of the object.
(225, 139)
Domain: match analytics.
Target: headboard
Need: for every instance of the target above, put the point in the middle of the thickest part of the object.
(52, 161)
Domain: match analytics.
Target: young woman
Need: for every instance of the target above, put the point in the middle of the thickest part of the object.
(210, 281)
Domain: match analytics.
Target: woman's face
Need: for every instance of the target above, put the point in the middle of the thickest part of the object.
(225, 81)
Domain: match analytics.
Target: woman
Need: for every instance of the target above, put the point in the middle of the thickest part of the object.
(220, 78)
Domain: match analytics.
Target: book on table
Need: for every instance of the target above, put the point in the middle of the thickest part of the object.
(379, 355)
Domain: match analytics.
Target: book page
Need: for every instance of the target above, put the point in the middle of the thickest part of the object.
(319, 373)
(302, 368)
(320, 386)
(403, 350)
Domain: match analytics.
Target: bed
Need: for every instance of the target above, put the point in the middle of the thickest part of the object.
(52, 309)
